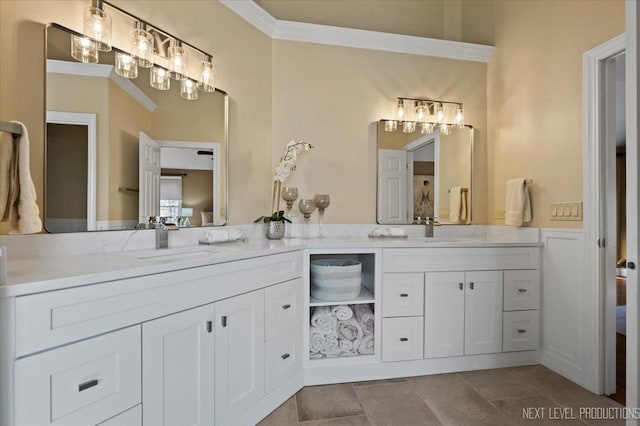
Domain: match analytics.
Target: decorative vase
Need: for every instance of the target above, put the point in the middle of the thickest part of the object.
(274, 230)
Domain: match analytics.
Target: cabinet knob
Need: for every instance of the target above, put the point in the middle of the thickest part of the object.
(521, 331)
(404, 339)
(404, 295)
(471, 286)
(209, 326)
(461, 286)
(88, 384)
(631, 265)
(285, 356)
(285, 307)
(223, 320)
(522, 290)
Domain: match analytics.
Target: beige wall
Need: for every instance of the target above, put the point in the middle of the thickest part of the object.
(243, 64)
(333, 97)
(534, 90)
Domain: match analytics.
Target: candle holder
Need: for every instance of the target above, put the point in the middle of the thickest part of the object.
(321, 201)
(307, 207)
(289, 194)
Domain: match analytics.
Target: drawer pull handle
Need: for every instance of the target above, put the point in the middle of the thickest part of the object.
(521, 331)
(461, 286)
(285, 356)
(87, 385)
(224, 320)
(522, 290)
(209, 326)
(471, 286)
(285, 307)
(404, 339)
(404, 295)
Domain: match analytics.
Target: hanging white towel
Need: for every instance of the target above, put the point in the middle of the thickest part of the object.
(517, 203)
(457, 205)
(24, 214)
(8, 181)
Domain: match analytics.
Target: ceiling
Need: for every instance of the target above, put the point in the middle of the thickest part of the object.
(459, 20)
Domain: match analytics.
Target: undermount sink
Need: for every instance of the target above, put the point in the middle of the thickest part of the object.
(175, 255)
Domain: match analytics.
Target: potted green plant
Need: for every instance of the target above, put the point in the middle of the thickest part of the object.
(274, 225)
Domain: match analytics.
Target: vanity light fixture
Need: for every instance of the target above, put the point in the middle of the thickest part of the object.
(428, 114)
(189, 90)
(97, 26)
(126, 65)
(159, 78)
(207, 82)
(84, 49)
(142, 45)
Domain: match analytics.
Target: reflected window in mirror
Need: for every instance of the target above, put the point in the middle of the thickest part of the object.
(116, 189)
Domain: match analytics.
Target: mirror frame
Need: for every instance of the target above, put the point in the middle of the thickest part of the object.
(471, 171)
(45, 144)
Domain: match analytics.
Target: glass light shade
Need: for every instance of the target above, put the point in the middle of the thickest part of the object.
(142, 47)
(206, 83)
(420, 111)
(459, 117)
(440, 113)
(445, 129)
(390, 125)
(400, 110)
(189, 90)
(159, 79)
(97, 26)
(409, 126)
(126, 66)
(84, 49)
(426, 128)
(306, 206)
(178, 62)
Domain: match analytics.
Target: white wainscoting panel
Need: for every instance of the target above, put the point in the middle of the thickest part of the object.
(565, 306)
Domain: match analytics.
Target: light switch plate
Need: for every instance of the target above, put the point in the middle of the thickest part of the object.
(566, 211)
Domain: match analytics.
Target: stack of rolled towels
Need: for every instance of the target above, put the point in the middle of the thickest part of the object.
(341, 330)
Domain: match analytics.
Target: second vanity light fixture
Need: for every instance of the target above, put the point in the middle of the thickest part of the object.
(165, 55)
(428, 115)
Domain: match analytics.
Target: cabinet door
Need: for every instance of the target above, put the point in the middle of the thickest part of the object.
(483, 312)
(444, 314)
(178, 375)
(239, 354)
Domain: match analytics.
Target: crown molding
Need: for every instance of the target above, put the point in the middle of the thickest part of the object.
(362, 39)
(254, 14)
(103, 71)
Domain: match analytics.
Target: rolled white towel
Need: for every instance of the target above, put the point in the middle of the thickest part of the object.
(235, 234)
(217, 235)
(331, 347)
(350, 330)
(342, 312)
(345, 345)
(366, 346)
(317, 338)
(321, 317)
(397, 232)
(365, 317)
(316, 355)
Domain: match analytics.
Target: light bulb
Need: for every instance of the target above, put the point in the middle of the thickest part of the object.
(440, 113)
(409, 126)
(159, 79)
(177, 61)
(390, 125)
(142, 46)
(189, 90)
(445, 129)
(126, 66)
(426, 128)
(84, 49)
(97, 26)
(420, 113)
(207, 82)
(400, 109)
(459, 117)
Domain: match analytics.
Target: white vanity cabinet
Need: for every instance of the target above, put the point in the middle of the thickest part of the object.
(178, 368)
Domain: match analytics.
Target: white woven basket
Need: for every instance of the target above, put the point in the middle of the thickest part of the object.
(335, 280)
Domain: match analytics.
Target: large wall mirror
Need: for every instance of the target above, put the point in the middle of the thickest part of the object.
(118, 151)
(424, 176)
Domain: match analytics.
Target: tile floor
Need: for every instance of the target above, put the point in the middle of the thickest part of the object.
(475, 398)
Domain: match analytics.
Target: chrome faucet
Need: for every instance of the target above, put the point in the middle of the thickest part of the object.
(162, 236)
(428, 227)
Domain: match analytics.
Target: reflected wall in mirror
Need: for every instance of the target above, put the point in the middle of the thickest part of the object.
(424, 175)
(95, 175)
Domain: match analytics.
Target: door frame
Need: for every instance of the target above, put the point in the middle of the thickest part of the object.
(89, 120)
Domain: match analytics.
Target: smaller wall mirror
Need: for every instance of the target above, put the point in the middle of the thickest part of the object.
(424, 175)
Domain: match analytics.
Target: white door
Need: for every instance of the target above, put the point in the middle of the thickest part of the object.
(392, 186)
(239, 354)
(632, 13)
(444, 314)
(149, 178)
(483, 312)
(177, 372)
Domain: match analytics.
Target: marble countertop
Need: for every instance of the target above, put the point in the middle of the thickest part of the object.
(28, 276)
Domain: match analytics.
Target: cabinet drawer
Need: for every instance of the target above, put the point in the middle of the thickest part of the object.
(283, 307)
(283, 358)
(84, 383)
(131, 417)
(403, 295)
(402, 338)
(520, 331)
(51, 319)
(521, 290)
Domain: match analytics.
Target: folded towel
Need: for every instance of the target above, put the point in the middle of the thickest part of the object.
(388, 232)
(457, 205)
(317, 338)
(365, 317)
(342, 312)
(345, 345)
(517, 203)
(23, 212)
(223, 235)
(322, 318)
(350, 330)
(366, 346)
(331, 347)
(8, 181)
